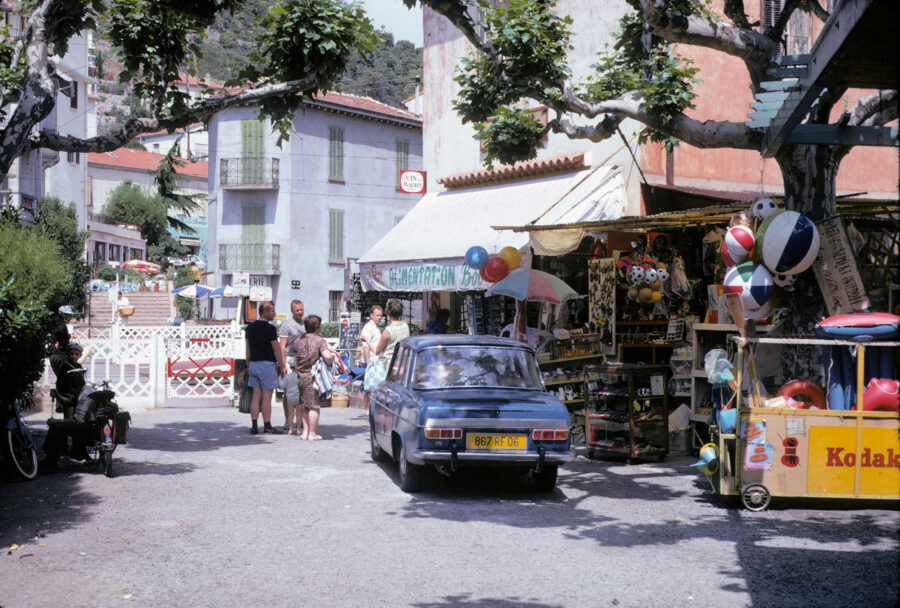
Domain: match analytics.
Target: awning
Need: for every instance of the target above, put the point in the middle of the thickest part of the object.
(426, 250)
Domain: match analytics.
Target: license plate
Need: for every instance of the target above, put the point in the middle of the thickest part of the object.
(495, 442)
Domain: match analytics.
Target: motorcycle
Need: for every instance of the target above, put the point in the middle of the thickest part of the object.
(20, 452)
(110, 425)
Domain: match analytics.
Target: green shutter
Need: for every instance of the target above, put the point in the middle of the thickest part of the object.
(253, 229)
(402, 159)
(335, 235)
(335, 153)
(253, 149)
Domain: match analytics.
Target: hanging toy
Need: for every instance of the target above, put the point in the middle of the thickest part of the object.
(763, 208)
(785, 281)
(650, 276)
(662, 273)
(737, 246)
(787, 242)
(636, 275)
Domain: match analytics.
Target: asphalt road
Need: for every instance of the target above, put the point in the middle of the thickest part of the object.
(203, 514)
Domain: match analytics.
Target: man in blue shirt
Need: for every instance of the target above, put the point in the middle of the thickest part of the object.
(265, 364)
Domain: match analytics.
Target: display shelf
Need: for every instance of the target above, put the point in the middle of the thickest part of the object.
(639, 323)
(574, 375)
(619, 422)
(571, 359)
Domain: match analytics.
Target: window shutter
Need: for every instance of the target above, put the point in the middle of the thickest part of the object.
(253, 147)
(402, 159)
(335, 153)
(335, 235)
(252, 224)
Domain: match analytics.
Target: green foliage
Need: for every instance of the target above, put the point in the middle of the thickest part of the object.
(11, 76)
(187, 307)
(117, 273)
(306, 39)
(389, 74)
(166, 178)
(514, 135)
(34, 280)
(60, 222)
(128, 203)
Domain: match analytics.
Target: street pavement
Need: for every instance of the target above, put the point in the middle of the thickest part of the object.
(200, 513)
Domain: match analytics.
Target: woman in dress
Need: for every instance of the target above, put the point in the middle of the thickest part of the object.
(396, 330)
(307, 350)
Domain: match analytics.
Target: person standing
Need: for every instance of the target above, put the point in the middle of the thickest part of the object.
(290, 330)
(122, 302)
(264, 361)
(371, 334)
(396, 330)
(307, 350)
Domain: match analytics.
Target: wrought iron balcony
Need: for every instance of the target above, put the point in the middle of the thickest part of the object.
(250, 257)
(249, 172)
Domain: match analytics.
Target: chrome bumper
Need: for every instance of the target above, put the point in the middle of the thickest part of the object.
(442, 456)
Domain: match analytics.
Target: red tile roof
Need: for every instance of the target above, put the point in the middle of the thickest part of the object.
(366, 104)
(528, 168)
(129, 158)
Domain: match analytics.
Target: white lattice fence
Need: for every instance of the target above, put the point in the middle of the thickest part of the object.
(200, 362)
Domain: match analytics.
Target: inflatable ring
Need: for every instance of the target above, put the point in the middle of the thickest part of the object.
(812, 391)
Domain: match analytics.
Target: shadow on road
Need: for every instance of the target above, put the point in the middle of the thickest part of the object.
(464, 601)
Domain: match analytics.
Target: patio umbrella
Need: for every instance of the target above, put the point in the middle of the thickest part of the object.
(192, 291)
(534, 286)
(226, 291)
(142, 266)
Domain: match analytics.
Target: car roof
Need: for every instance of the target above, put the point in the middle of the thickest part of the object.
(428, 340)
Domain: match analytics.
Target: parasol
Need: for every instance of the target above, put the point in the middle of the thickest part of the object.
(192, 291)
(534, 286)
(142, 266)
(226, 291)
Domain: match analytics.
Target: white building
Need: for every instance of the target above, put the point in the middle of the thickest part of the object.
(291, 217)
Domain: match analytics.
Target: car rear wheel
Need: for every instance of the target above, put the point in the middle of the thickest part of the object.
(545, 481)
(411, 475)
(378, 455)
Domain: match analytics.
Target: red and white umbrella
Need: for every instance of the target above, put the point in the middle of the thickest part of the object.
(142, 266)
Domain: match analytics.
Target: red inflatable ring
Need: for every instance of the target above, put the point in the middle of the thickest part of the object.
(812, 393)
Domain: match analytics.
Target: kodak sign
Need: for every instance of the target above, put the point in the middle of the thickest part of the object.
(833, 461)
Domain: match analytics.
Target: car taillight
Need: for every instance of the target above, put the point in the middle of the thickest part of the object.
(443, 433)
(550, 434)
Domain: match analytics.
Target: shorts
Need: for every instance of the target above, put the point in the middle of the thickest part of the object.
(263, 374)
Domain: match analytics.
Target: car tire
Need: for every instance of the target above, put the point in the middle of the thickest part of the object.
(411, 475)
(545, 481)
(378, 455)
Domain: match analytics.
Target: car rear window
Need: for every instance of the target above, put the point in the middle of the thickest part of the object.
(475, 366)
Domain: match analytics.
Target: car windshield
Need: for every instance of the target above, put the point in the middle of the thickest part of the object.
(482, 366)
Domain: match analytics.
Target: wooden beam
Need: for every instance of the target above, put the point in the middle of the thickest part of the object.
(769, 97)
(783, 60)
(795, 72)
(844, 136)
(767, 105)
(780, 85)
(763, 114)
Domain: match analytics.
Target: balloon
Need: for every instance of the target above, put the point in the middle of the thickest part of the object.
(483, 276)
(512, 256)
(476, 257)
(495, 269)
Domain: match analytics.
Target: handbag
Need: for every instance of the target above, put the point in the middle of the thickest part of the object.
(375, 375)
(292, 388)
(246, 396)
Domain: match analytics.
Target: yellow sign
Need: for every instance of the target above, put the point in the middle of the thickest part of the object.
(833, 461)
(492, 442)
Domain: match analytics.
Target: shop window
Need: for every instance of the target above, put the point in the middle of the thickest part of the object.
(334, 306)
(136, 254)
(402, 159)
(336, 153)
(114, 252)
(99, 252)
(336, 235)
(73, 157)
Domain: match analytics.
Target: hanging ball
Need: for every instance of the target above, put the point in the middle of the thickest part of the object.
(650, 275)
(655, 297)
(787, 242)
(476, 257)
(645, 295)
(636, 275)
(483, 275)
(632, 293)
(785, 280)
(737, 245)
(763, 208)
(662, 275)
(512, 256)
(495, 269)
(759, 313)
(752, 281)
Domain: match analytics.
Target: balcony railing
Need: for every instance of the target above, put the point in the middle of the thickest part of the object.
(248, 257)
(249, 172)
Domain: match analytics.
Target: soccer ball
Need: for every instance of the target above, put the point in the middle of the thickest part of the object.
(763, 208)
(636, 275)
(662, 275)
(650, 275)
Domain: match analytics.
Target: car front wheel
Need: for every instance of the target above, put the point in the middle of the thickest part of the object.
(545, 481)
(411, 475)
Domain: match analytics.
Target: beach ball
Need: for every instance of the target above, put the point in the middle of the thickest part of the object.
(752, 281)
(512, 256)
(737, 246)
(763, 208)
(636, 275)
(476, 257)
(787, 242)
(755, 314)
(495, 269)
(785, 280)
(650, 275)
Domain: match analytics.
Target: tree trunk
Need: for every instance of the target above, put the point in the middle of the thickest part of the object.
(809, 173)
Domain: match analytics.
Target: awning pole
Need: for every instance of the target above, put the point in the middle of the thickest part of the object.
(631, 152)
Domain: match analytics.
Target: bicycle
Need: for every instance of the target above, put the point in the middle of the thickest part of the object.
(20, 452)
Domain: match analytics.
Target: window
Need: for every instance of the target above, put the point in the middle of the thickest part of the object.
(402, 159)
(136, 254)
(253, 229)
(73, 157)
(73, 103)
(797, 34)
(336, 235)
(99, 252)
(114, 252)
(336, 153)
(397, 371)
(335, 299)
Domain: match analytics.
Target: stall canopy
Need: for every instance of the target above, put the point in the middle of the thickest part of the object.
(426, 250)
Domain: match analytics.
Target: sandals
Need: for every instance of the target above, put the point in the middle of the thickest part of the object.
(315, 437)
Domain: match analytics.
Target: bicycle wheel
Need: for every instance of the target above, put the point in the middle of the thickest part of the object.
(106, 457)
(21, 454)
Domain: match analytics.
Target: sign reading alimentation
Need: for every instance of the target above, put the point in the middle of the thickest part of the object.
(412, 182)
(423, 276)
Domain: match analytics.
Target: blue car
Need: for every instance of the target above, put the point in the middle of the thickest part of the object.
(453, 401)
